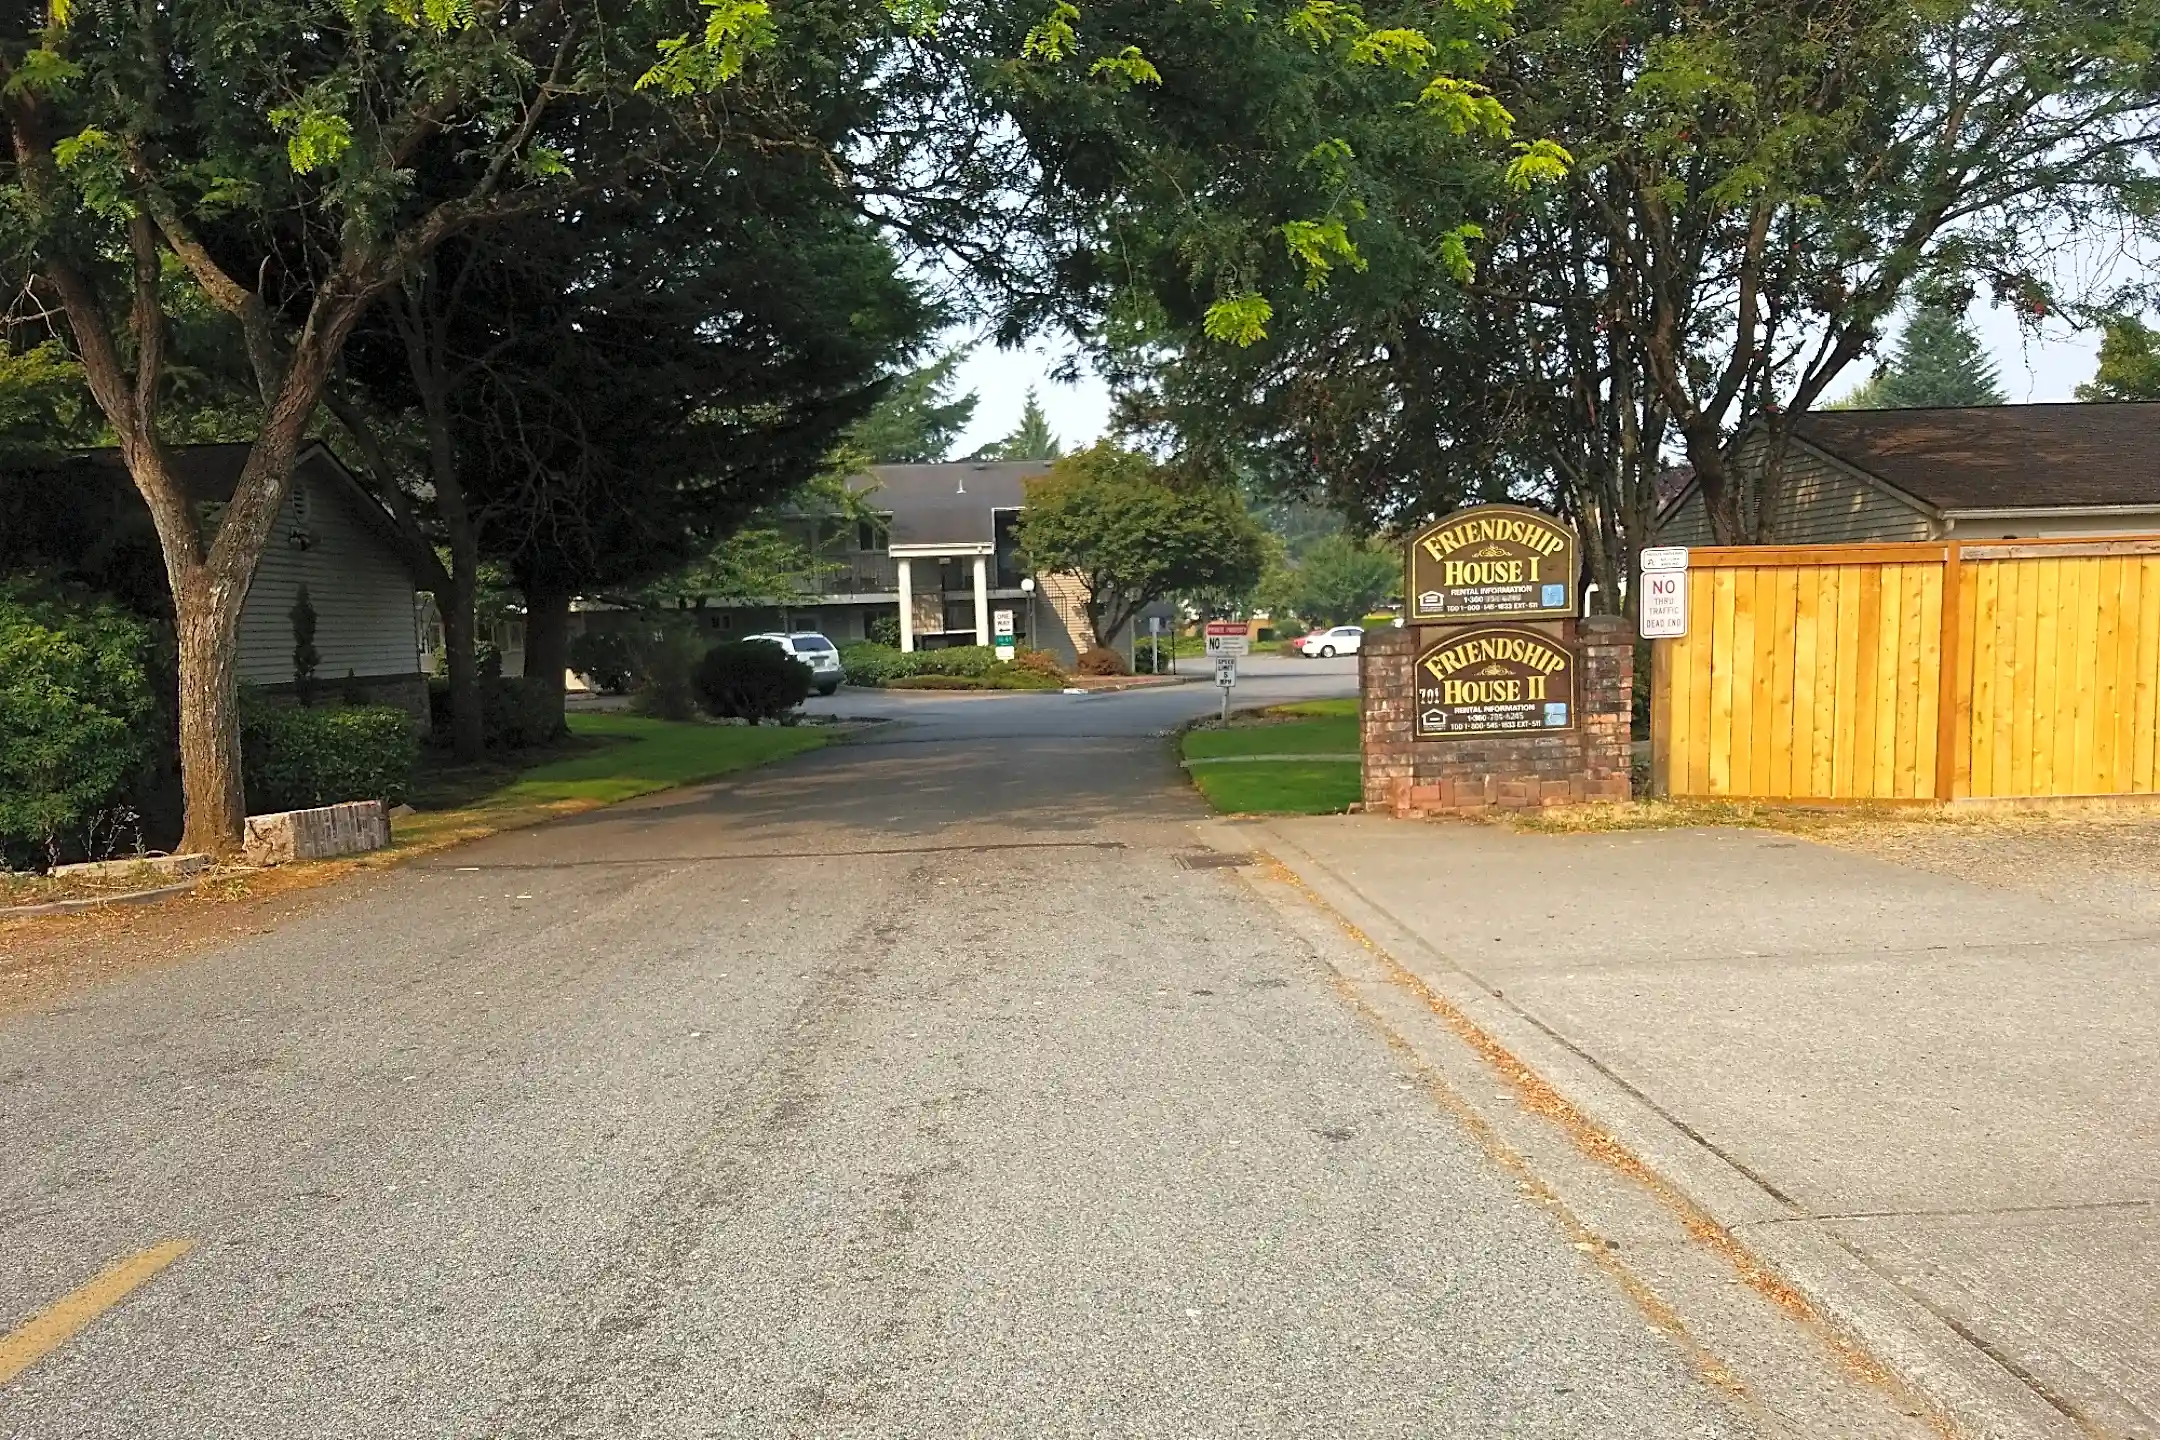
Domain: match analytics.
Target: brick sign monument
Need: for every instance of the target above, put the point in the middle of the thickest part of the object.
(1494, 695)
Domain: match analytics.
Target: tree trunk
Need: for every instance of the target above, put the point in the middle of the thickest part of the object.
(547, 639)
(468, 717)
(207, 624)
(1706, 452)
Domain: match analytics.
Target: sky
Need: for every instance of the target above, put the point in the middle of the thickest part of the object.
(2032, 369)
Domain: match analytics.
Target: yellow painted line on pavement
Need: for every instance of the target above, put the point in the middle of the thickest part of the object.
(60, 1322)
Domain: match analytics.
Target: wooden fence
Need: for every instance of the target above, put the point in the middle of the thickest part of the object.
(1817, 672)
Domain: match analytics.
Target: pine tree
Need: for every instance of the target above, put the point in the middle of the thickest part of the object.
(919, 418)
(2129, 362)
(1031, 440)
(1939, 362)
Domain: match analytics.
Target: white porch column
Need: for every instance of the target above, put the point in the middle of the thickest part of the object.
(907, 604)
(982, 600)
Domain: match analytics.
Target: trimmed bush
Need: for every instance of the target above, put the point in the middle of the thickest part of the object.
(753, 680)
(1102, 660)
(297, 759)
(1040, 662)
(77, 713)
(664, 667)
(521, 713)
(1004, 677)
(884, 629)
(607, 659)
(871, 665)
(972, 660)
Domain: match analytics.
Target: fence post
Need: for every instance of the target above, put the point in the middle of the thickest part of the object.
(1946, 681)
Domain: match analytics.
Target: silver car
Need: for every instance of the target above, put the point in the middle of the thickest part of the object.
(815, 651)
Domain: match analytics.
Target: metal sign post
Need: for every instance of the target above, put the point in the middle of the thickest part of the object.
(1225, 679)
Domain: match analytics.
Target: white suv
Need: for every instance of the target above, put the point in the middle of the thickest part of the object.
(1327, 644)
(815, 651)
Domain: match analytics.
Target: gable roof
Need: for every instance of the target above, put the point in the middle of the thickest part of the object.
(2002, 457)
(951, 504)
(210, 473)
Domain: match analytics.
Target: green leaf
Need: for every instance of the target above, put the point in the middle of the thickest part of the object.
(1241, 320)
(1406, 50)
(1455, 252)
(735, 32)
(1464, 106)
(918, 17)
(42, 71)
(1318, 246)
(1052, 39)
(313, 137)
(1538, 162)
(1127, 69)
(1321, 23)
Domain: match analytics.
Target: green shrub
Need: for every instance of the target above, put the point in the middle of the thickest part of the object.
(753, 680)
(664, 665)
(1003, 677)
(607, 659)
(884, 629)
(870, 665)
(77, 718)
(520, 713)
(971, 660)
(293, 758)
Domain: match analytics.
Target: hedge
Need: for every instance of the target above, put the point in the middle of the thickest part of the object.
(78, 719)
(297, 759)
(871, 665)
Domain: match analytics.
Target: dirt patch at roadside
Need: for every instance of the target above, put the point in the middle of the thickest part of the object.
(44, 957)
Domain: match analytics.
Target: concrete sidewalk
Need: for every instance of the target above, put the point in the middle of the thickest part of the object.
(1932, 1105)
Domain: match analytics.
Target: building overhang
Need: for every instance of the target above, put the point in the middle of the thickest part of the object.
(955, 551)
(2043, 512)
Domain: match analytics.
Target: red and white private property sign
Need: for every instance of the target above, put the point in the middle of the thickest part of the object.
(1229, 637)
(1661, 605)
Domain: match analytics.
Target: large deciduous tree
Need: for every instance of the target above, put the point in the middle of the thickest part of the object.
(1136, 535)
(261, 154)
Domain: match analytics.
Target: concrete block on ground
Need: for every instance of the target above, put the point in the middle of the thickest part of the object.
(321, 834)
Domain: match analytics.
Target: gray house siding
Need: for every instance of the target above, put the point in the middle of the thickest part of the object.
(1823, 503)
(366, 615)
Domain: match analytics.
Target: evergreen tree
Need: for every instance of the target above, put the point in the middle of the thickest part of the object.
(1939, 362)
(919, 418)
(1030, 440)
(2129, 362)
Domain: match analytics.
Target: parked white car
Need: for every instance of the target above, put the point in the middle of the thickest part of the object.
(1327, 644)
(815, 651)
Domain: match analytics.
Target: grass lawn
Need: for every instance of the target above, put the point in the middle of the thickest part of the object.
(1281, 787)
(618, 757)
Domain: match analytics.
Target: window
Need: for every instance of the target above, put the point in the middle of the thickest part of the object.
(871, 536)
(812, 643)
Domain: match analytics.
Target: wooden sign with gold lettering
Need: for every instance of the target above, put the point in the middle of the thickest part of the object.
(1494, 562)
(1495, 680)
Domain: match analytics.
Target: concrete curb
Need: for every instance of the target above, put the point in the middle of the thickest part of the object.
(69, 907)
(1975, 1391)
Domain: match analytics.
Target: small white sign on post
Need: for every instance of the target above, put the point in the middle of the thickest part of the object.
(1228, 637)
(1662, 604)
(1003, 628)
(1226, 671)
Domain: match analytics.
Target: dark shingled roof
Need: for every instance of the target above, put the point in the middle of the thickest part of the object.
(2002, 457)
(951, 504)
